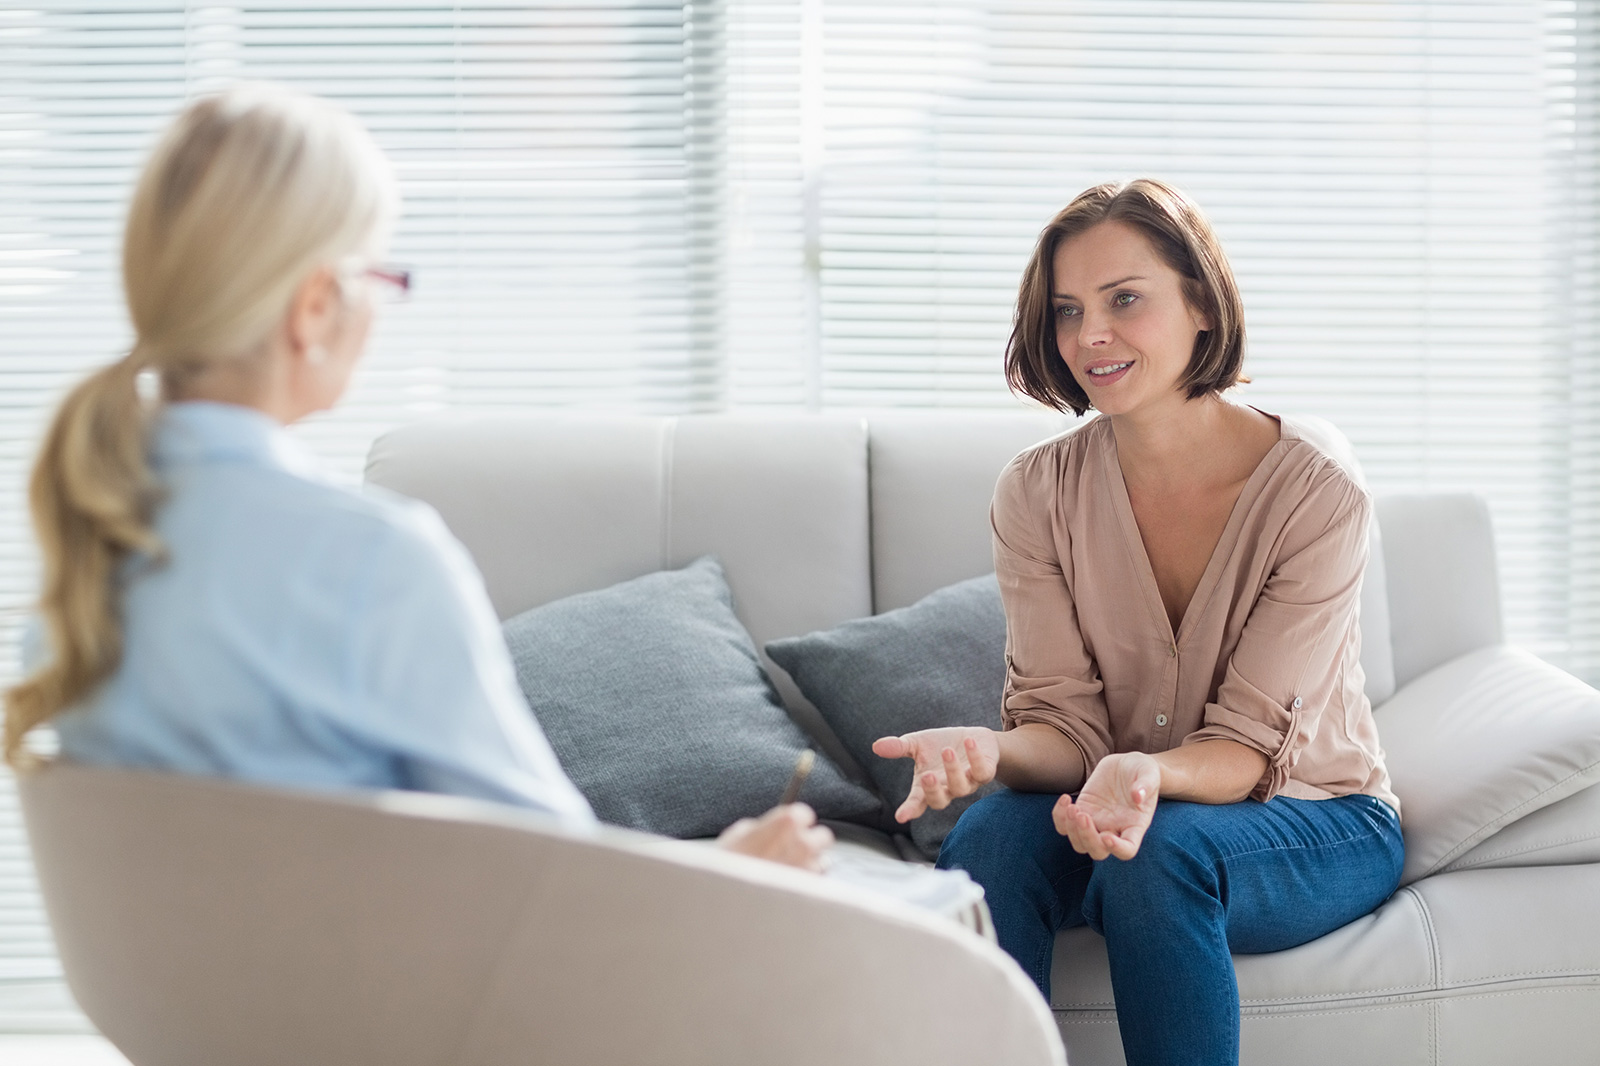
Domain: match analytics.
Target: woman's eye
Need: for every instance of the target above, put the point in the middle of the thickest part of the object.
(1123, 299)
(1066, 312)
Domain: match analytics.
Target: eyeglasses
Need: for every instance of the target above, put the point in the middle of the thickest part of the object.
(396, 282)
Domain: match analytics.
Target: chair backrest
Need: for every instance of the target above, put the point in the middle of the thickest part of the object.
(204, 922)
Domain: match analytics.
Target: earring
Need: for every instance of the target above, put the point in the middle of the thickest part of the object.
(316, 355)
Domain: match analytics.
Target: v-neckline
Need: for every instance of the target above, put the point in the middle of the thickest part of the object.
(1223, 549)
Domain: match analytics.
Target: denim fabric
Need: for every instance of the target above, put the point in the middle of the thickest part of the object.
(1209, 880)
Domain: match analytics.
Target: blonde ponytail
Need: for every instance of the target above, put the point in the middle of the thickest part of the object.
(92, 495)
(247, 193)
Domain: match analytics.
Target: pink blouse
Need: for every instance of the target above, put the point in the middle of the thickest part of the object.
(1266, 655)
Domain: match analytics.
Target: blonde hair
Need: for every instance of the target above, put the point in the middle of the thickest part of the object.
(244, 196)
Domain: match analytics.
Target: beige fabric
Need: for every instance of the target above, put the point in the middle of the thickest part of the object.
(1266, 655)
(202, 922)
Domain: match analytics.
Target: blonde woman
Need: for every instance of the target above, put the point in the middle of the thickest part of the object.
(211, 603)
(1192, 766)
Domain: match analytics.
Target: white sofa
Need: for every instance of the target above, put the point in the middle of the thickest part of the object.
(1493, 958)
(205, 922)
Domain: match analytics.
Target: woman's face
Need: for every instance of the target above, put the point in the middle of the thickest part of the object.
(1122, 323)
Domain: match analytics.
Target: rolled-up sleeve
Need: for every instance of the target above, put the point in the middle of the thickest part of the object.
(1050, 676)
(1285, 674)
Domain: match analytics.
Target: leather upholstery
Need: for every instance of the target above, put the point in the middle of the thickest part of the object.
(427, 930)
(1432, 977)
(1480, 742)
(202, 922)
(933, 476)
(1444, 588)
(1456, 969)
(1564, 833)
(552, 506)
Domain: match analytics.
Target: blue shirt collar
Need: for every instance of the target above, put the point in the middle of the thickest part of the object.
(199, 431)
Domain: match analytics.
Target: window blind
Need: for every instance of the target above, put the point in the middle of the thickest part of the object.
(827, 204)
(1382, 176)
(1575, 286)
(562, 167)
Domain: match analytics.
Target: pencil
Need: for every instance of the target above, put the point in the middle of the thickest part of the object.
(802, 770)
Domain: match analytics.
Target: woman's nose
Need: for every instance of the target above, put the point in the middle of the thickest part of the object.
(1095, 330)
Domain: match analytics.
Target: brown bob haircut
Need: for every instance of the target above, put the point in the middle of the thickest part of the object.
(1183, 238)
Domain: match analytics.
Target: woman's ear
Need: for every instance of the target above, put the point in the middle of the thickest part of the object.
(313, 314)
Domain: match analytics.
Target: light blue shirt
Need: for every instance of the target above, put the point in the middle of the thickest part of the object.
(303, 634)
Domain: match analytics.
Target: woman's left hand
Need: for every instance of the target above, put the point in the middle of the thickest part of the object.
(1114, 808)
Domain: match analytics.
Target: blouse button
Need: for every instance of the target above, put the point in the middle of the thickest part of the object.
(1297, 703)
(1161, 719)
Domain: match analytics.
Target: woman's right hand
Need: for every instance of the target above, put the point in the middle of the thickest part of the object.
(789, 835)
(950, 763)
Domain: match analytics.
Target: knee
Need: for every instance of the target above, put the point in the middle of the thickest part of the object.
(1170, 869)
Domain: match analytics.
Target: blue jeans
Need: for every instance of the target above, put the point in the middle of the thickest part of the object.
(1208, 880)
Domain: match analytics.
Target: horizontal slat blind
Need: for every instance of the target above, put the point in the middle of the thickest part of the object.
(1575, 276)
(562, 167)
(827, 203)
(1380, 173)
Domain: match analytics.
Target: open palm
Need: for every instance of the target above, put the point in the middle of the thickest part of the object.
(950, 763)
(1115, 807)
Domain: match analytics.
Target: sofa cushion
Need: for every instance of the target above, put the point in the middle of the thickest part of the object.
(933, 475)
(1520, 948)
(939, 662)
(1562, 834)
(779, 498)
(1480, 742)
(654, 699)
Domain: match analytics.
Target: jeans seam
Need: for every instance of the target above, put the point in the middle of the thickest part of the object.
(1368, 834)
(1047, 951)
(1280, 848)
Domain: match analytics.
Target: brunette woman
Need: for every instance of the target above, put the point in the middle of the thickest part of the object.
(1192, 768)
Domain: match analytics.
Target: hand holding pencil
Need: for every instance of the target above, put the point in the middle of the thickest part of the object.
(788, 833)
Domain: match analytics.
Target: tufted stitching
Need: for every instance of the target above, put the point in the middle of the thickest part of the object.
(1492, 856)
(1498, 823)
(1522, 975)
(1436, 964)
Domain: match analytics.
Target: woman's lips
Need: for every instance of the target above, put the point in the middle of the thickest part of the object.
(1106, 379)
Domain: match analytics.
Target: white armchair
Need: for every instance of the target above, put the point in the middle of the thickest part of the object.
(204, 922)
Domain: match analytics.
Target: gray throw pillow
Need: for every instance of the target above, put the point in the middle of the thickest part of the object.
(939, 662)
(656, 704)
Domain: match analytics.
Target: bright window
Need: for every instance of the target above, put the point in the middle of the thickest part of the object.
(826, 204)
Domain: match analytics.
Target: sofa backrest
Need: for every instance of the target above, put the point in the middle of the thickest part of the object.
(1444, 586)
(554, 505)
(821, 518)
